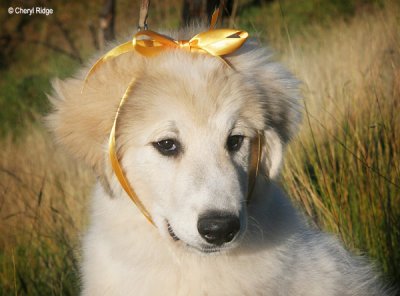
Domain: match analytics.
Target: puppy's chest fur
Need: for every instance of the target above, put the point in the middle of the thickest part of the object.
(124, 255)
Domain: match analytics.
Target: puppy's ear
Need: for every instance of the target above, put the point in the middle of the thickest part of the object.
(81, 120)
(282, 113)
(272, 154)
(279, 96)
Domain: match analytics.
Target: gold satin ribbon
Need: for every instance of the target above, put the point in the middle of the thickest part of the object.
(255, 158)
(216, 42)
(115, 164)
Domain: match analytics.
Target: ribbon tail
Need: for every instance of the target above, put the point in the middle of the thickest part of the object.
(255, 159)
(221, 58)
(214, 19)
(116, 51)
(119, 173)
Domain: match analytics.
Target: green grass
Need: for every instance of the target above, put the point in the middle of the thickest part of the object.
(41, 269)
(23, 100)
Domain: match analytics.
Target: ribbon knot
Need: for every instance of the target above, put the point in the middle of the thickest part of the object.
(184, 44)
(214, 42)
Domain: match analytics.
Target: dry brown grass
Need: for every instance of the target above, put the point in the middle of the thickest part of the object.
(344, 167)
(42, 210)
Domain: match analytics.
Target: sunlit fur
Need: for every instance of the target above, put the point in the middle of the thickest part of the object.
(199, 101)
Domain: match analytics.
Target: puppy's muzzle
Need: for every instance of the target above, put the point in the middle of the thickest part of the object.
(217, 228)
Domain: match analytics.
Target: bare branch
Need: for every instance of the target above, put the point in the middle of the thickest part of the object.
(75, 52)
(50, 46)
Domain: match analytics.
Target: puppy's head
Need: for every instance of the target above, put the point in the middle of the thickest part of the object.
(184, 135)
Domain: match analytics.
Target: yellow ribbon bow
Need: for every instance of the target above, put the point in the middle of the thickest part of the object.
(216, 42)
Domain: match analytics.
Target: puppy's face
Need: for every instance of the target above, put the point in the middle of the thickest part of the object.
(185, 135)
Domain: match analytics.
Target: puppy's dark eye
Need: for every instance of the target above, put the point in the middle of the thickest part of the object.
(234, 143)
(167, 147)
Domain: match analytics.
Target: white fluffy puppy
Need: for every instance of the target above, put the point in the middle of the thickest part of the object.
(184, 139)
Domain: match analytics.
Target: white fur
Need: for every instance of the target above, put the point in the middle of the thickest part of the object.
(198, 101)
(280, 255)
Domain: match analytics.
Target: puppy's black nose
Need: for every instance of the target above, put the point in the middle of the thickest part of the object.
(218, 228)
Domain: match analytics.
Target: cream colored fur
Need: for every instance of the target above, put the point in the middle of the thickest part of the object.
(200, 101)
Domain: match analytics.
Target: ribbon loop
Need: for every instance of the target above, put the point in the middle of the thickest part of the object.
(220, 42)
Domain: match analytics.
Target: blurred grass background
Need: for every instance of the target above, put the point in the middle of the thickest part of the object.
(343, 169)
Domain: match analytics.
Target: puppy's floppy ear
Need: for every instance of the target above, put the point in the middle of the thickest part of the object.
(282, 114)
(272, 153)
(280, 97)
(81, 120)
